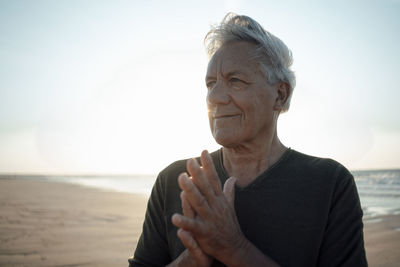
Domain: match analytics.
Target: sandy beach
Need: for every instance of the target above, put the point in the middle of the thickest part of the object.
(58, 224)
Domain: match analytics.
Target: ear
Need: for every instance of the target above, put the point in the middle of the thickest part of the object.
(283, 93)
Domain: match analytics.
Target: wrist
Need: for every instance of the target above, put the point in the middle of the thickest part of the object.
(246, 254)
(181, 261)
(235, 255)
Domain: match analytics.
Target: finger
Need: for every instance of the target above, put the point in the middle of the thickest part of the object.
(196, 200)
(186, 208)
(210, 172)
(185, 223)
(199, 178)
(229, 190)
(187, 239)
(191, 244)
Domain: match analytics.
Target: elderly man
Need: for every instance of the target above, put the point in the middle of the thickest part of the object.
(277, 206)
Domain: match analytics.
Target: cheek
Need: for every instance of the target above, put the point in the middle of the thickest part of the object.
(252, 107)
(258, 111)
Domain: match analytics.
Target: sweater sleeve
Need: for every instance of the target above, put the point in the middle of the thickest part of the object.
(343, 242)
(152, 248)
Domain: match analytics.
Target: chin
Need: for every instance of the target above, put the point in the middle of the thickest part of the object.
(226, 140)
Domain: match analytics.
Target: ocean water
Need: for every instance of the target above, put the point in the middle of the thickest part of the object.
(379, 190)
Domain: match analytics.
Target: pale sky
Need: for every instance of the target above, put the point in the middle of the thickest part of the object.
(118, 86)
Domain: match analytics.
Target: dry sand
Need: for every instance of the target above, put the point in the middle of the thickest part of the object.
(57, 224)
(382, 241)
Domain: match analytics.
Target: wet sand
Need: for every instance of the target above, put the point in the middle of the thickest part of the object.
(57, 224)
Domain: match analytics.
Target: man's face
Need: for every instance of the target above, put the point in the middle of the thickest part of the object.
(241, 103)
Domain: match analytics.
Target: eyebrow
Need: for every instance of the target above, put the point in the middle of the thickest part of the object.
(209, 77)
(230, 73)
(235, 72)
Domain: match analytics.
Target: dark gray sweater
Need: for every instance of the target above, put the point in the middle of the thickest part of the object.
(302, 211)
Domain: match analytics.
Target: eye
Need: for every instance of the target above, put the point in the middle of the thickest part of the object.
(236, 83)
(210, 84)
(234, 80)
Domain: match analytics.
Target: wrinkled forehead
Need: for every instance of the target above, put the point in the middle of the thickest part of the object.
(235, 56)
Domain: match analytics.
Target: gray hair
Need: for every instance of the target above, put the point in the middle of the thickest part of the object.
(274, 56)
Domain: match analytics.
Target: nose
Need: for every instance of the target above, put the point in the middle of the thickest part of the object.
(218, 95)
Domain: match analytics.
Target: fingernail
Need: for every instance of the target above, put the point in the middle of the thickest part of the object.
(183, 178)
(193, 162)
(182, 175)
(176, 218)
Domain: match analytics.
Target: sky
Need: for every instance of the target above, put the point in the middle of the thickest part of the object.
(118, 86)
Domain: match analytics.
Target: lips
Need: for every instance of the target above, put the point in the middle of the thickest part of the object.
(225, 116)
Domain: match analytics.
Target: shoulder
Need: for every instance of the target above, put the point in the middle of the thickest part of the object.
(173, 170)
(323, 171)
(167, 180)
(168, 177)
(312, 164)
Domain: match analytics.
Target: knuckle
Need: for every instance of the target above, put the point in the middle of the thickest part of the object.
(190, 188)
(192, 243)
(201, 201)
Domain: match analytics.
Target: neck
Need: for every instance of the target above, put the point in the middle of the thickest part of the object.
(246, 162)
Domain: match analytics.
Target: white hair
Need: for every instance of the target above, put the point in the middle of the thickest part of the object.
(274, 56)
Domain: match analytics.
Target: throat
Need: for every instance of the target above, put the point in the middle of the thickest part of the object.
(246, 167)
(247, 174)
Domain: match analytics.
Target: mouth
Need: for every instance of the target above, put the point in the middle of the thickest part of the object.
(225, 116)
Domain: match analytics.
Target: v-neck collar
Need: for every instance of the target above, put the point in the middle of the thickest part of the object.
(222, 171)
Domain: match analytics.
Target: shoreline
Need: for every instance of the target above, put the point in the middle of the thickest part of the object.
(49, 223)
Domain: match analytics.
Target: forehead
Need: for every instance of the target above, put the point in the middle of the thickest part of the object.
(235, 57)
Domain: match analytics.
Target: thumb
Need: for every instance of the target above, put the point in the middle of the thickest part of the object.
(229, 190)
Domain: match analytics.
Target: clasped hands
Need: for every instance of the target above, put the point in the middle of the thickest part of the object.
(208, 227)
